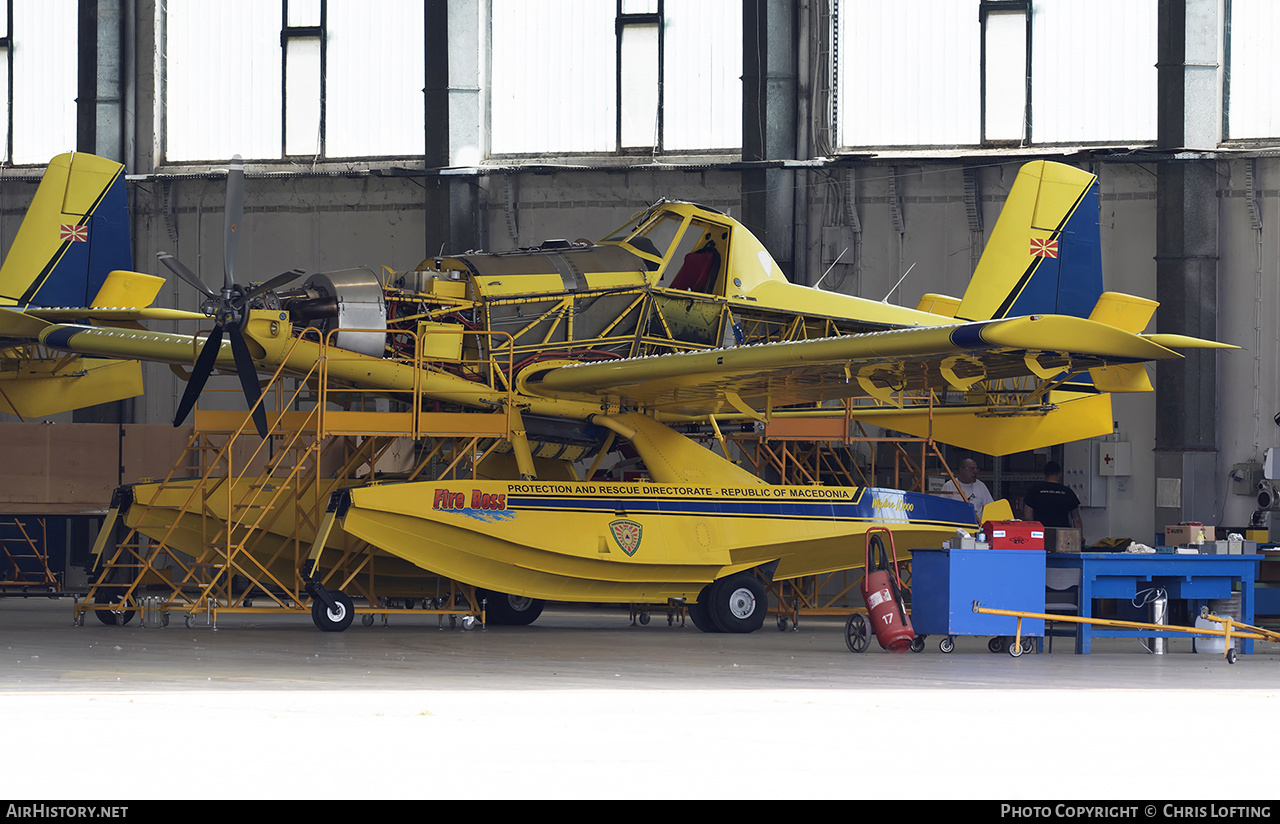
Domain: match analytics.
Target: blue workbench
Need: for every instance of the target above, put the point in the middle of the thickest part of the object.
(1195, 578)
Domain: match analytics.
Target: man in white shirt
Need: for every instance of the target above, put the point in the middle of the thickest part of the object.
(971, 489)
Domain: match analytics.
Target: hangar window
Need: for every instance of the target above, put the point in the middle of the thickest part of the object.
(994, 72)
(309, 79)
(1253, 72)
(38, 69)
(634, 76)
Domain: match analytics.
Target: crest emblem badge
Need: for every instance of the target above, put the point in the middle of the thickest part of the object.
(627, 534)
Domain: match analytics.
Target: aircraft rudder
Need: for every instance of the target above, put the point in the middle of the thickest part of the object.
(1044, 255)
(74, 233)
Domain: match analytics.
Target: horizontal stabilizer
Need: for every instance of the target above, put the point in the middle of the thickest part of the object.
(1128, 312)
(936, 304)
(132, 289)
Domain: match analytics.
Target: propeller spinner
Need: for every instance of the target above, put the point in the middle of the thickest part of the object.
(229, 310)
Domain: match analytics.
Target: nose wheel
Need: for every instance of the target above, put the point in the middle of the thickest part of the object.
(334, 618)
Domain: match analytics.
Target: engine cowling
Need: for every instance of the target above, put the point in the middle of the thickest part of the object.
(349, 302)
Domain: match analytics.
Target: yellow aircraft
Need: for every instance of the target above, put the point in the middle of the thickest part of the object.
(679, 316)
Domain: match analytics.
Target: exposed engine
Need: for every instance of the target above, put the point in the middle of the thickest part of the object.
(349, 303)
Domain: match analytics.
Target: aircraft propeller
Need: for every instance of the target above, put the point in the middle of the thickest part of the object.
(229, 309)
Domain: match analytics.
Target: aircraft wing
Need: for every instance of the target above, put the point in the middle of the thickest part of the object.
(753, 379)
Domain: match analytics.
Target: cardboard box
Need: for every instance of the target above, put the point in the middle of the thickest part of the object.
(1014, 534)
(1185, 534)
(1061, 539)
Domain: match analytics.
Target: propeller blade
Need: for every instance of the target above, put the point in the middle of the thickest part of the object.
(204, 365)
(248, 374)
(176, 266)
(235, 210)
(278, 280)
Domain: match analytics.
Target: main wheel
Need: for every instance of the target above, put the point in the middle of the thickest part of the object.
(857, 634)
(700, 612)
(336, 619)
(738, 603)
(510, 610)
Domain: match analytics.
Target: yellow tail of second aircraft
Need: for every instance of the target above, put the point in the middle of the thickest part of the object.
(1044, 255)
(75, 233)
(72, 250)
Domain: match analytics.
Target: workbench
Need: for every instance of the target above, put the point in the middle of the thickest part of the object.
(1195, 578)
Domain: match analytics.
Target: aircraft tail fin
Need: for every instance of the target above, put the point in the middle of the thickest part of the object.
(75, 232)
(1045, 252)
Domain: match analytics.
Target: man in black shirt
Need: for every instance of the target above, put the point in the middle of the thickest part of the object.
(1050, 502)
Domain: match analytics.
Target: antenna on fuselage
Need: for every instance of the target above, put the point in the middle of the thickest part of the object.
(885, 299)
(829, 268)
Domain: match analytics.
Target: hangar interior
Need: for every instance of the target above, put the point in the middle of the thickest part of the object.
(869, 146)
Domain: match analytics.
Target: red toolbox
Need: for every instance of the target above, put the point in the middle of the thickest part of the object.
(1014, 534)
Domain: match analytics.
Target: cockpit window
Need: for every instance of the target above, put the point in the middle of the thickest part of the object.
(696, 262)
(652, 237)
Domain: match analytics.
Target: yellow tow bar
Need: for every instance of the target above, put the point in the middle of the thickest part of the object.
(1230, 627)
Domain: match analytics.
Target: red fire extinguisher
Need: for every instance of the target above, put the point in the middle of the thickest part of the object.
(882, 593)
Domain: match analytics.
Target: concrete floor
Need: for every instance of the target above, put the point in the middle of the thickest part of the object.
(583, 705)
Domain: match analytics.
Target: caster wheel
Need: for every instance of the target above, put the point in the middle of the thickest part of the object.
(367, 619)
(1015, 650)
(469, 622)
(1028, 645)
(189, 620)
(782, 625)
(1231, 656)
(917, 644)
(644, 619)
(947, 644)
(996, 644)
(857, 633)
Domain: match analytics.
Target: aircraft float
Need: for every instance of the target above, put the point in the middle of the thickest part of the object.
(678, 317)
